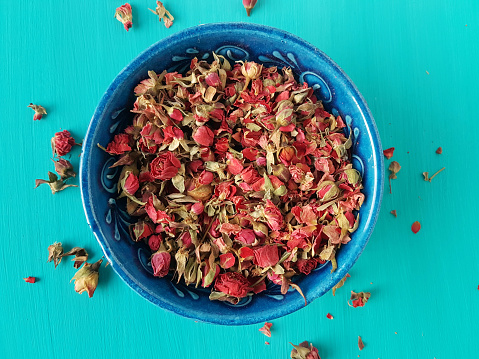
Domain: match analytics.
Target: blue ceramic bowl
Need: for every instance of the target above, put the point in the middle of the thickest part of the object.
(235, 41)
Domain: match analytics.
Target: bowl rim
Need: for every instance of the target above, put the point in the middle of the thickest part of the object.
(375, 196)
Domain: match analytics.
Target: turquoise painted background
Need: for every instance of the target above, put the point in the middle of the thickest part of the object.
(415, 62)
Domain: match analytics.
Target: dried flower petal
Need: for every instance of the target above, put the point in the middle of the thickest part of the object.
(304, 351)
(55, 253)
(29, 279)
(266, 329)
(86, 278)
(360, 343)
(124, 15)
(249, 5)
(39, 111)
(329, 316)
(439, 150)
(394, 168)
(163, 14)
(416, 226)
(80, 254)
(340, 283)
(388, 153)
(359, 299)
(394, 213)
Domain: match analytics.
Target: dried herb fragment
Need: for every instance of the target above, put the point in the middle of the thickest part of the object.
(388, 153)
(249, 5)
(416, 226)
(429, 179)
(266, 329)
(39, 111)
(439, 150)
(80, 254)
(394, 168)
(267, 343)
(304, 351)
(86, 278)
(124, 15)
(329, 316)
(55, 253)
(29, 279)
(56, 185)
(360, 343)
(359, 299)
(340, 283)
(394, 213)
(163, 14)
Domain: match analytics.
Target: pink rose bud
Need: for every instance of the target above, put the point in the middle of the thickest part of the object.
(124, 15)
(251, 70)
(86, 278)
(62, 143)
(165, 166)
(204, 136)
(39, 111)
(304, 351)
(213, 79)
(154, 242)
(249, 5)
(64, 168)
(197, 208)
(160, 261)
(233, 284)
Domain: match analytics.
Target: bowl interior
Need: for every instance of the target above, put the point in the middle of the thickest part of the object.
(235, 41)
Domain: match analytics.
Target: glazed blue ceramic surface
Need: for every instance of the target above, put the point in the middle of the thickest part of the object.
(236, 41)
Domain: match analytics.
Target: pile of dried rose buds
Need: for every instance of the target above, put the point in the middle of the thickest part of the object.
(237, 176)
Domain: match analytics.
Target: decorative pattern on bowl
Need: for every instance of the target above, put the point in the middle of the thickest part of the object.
(109, 220)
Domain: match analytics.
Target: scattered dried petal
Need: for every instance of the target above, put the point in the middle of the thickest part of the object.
(394, 213)
(359, 299)
(429, 179)
(29, 279)
(329, 316)
(266, 329)
(124, 15)
(304, 351)
(163, 14)
(439, 150)
(360, 343)
(39, 111)
(416, 226)
(55, 253)
(340, 283)
(388, 153)
(80, 254)
(394, 168)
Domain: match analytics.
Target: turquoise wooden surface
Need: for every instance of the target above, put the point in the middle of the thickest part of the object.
(415, 62)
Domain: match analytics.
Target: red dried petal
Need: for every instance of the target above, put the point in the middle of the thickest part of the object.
(329, 316)
(360, 343)
(439, 150)
(29, 279)
(388, 153)
(416, 226)
(266, 329)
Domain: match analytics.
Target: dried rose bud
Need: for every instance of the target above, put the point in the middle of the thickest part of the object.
(64, 168)
(160, 261)
(29, 279)
(124, 15)
(282, 172)
(86, 278)
(55, 252)
(39, 111)
(197, 208)
(56, 185)
(304, 351)
(81, 256)
(249, 5)
(251, 70)
(62, 143)
(163, 14)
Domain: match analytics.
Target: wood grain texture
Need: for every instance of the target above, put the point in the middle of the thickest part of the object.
(415, 62)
